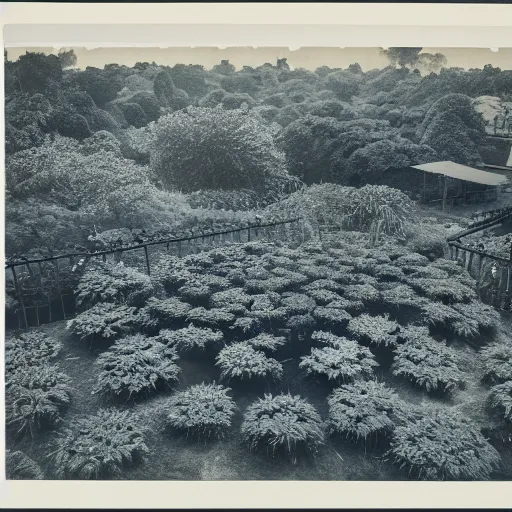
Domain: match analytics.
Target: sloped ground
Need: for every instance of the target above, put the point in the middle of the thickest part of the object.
(176, 458)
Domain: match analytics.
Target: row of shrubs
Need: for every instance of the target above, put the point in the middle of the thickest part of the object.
(440, 446)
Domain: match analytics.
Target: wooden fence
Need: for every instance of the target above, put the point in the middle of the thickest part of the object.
(44, 287)
(493, 273)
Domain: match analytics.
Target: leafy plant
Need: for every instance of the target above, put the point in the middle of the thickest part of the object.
(190, 338)
(333, 317)
(203, 409)
(500, 399)
(266, 341)
(428, 363)
(30, 349)
(365, 293)
(106, 321)
(378, 330)
(444, 445)
(343, 360)
(282, 422)
(35, 397)
(322, 297)
(167, 311)
(19, 466)
(363, 409)
(497, 359)
(240, 360)
(136, 365)
(106, 282)
(99, 446)
(213, 318)
(297, 303)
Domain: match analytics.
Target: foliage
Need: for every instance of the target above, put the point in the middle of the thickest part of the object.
(35, 397)
(501, 399)
(135, 366)
(167, 311)
(363, 409)
(214, 318)
(343, 361)
(379, 330)
(344, 84)
(265, 341)
(105, 282)
(497, 359)
(444, 445)
(245, 157)
(427, 363)
(100, 446)
(203, 409)
(190, 338)
(282, 422)
(30, 349)
(241, 360)
(105, 321)
(332, 316)
(19, 466)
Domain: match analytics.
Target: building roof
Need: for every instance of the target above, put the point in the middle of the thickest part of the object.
(463, 172)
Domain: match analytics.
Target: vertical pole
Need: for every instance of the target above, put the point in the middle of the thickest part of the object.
(445, 192)
(20, 296)
(48, 296)
(470, 263)
(424, 186)
(147, 259)
(179, 250)
(56, 262)
(249, 234)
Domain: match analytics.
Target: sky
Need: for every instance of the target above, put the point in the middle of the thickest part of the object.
(309, 58)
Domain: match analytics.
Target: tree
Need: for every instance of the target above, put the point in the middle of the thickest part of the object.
(431, 62)
(345, 84)
(201, 148)
(37, 71)
(403, 56)
(102, 85)
(224, 68)
(67, 58)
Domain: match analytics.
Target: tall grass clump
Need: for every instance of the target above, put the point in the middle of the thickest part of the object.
(282, 423)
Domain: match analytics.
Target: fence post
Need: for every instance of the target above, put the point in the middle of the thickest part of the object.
(20, 296)
(147, 259)
(57, 273)
(470, 263)
(179, 250)
(249, 234)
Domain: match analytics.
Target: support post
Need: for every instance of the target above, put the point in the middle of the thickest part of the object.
(445, 192)
(424, 186)
(20, 297)
(56, 262)
(249, 234)
(147, 259)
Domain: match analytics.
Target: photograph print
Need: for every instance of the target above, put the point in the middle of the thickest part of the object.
(258, 264)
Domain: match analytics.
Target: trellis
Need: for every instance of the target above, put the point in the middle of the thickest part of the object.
(50, 282)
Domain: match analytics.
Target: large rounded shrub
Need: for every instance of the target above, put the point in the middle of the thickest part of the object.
(201, 148)
(204, 409)
(282, 423)
(100, 446)
(443, 446)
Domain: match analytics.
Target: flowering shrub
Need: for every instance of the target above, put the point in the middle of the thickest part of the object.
(105, 282)
(241, 360)
(30, 349)
(106, 321)
(378, 330)
(282, 422)
(363, 409)
(190, 338)
(428, 363)
(204, 409)
(19, 466)
(443, 446)
(134, 366)
(99, 446)
(497, 359)
(501, 399)
(35, 397)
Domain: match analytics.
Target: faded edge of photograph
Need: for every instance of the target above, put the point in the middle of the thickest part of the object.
(268, 266)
